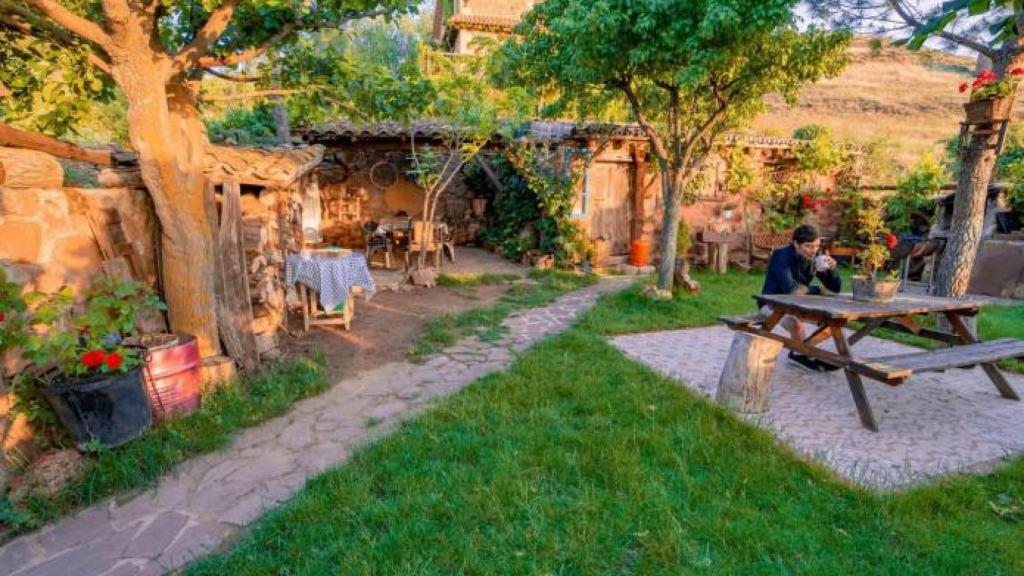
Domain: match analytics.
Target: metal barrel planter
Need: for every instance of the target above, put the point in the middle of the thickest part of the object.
(173, 378)
(111, 409)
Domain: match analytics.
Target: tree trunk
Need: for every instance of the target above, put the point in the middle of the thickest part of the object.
(281, 126)
(965, 233)
(669, 228)
(745, 382)
(166, 132)
(968, 219)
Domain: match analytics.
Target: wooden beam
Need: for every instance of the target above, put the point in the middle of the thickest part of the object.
(11, 136)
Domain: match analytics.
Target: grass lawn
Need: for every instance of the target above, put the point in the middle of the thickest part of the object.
(579, 461)
(485, 323)
(141, 462)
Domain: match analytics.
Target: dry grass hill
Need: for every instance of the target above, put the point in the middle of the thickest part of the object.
(908, 100)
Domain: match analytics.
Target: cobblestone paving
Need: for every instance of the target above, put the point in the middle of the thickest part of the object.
(935, 424)
(209, 499)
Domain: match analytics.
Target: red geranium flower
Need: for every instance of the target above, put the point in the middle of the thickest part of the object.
(1, 315)
(1017, 72)
(891, 240)
(114, 361)
(93, 358)
(963, 87)
(807, 201)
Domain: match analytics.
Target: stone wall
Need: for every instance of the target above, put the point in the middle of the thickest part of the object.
(46, 242)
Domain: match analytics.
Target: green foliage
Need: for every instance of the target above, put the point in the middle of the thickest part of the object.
(515, 209)
(872, 230)
(911, 208)
(554, 184)
(51, 85)
(54, 84)
(112, 307)
(818, 153)
(1010, 168)
(689, 70)
(244, 126)
(683, 240)
(14, 315)
(741, 175)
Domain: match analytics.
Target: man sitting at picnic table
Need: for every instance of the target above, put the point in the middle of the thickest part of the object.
(792, 270)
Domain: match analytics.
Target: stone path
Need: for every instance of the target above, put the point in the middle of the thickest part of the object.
(209, 499)
(934, 424)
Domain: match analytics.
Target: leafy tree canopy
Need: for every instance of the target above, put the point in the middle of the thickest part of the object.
(54, 65)
(717, 59)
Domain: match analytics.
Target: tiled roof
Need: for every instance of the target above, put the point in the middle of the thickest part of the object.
(351, 130)
(487, 22)
(260, 166)
(539, 130)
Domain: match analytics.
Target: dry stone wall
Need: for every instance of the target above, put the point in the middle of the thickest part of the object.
(47, 242)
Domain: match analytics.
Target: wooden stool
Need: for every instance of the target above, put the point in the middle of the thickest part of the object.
(312, 316)
(746, 377)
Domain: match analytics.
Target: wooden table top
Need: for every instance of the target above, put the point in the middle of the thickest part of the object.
(844, 307)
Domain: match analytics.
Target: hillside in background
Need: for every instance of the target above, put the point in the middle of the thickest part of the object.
(906, 100)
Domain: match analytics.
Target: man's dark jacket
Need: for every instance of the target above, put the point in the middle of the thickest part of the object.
(787, 270)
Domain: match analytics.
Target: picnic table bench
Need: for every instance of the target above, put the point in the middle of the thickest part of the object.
(832, 314)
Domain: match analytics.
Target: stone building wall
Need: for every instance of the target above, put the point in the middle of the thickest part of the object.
(46, 242)
(360, 185)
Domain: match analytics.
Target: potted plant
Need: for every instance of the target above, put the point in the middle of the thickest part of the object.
(991, 96)
(92, 380)
(873, 284)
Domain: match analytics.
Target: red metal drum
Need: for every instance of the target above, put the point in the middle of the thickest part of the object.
(173, 378)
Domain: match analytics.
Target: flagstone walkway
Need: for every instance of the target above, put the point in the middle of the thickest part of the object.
(210, 499)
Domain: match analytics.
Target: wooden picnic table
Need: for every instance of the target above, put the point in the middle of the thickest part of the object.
(831, 314)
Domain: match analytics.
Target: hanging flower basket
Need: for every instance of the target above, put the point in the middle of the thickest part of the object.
(986, 111)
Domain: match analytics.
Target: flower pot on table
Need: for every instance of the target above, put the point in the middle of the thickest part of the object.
(868, 289)
(110, 408)
(986, 111)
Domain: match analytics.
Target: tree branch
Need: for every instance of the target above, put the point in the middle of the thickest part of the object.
(908, 17)
(207, 36)
(82, 27)
(246, 55)
(232, 77)
(660, 150)
(249, 95)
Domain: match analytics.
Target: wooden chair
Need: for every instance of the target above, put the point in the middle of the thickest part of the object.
(376, 243)
(422, 241)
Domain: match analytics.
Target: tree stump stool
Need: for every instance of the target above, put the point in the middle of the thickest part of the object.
(746, 377)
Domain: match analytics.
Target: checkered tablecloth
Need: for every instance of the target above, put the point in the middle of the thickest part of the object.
(332, 277)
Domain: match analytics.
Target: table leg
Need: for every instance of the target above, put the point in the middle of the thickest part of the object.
(991, 370)
(860, 397)
(866, 329)
(304, 302)
(820, 335)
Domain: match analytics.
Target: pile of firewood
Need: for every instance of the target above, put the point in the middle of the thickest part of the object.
(265, 261)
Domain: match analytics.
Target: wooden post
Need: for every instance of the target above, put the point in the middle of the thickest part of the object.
(234, 308)
(719, 258)
(746, 377)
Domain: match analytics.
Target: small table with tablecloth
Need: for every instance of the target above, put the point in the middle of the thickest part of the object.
(333, 275)
(831, 314)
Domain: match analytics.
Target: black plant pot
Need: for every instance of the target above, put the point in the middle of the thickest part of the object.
(112, 409)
